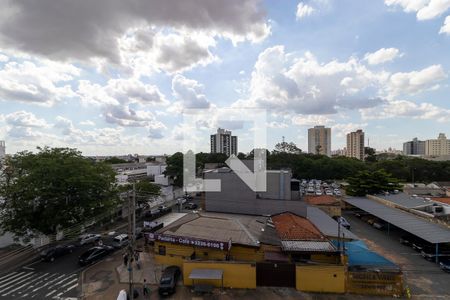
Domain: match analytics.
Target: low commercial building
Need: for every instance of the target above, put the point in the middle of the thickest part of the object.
(244, 251)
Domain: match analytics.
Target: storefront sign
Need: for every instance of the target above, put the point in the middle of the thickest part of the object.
(189, 241)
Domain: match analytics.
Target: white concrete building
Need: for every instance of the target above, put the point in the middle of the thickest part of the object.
(224, 142)
(438, 147)
(155, 169)
(355, 144)
(319, 140)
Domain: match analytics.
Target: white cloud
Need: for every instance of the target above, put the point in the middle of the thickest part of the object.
(446, 27)
(25, 119)
(91, 29)
(189, 93)
(342, 129)
(381, 56)
(87, 123)
(416, 81)
(311, 120)
(39, 82)
(284, 82)
(303, 10)
(407, 109)
(424, 9)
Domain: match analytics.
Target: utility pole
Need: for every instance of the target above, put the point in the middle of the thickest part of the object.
(131, 236)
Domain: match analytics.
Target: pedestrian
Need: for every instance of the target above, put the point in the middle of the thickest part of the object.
(125, 259)
(136, 258)
(145, 288)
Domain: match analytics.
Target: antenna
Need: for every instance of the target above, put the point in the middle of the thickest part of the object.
(283, 139)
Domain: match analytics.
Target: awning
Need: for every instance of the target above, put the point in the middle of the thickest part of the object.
(206, 274)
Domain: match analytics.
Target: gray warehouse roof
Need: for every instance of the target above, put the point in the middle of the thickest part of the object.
(326, 224)
(415, 225)
(405, 200)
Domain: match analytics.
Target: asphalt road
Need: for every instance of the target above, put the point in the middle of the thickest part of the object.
(425, 279)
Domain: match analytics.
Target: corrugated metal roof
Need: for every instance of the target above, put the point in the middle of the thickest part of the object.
(413, 224)
(405, 200)
(307, 246)
(327, 225)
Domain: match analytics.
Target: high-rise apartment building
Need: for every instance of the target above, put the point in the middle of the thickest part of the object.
(355, 144)
(2, 149)
(438, 147)
(224, 142)
(414, 147)
(319, 140)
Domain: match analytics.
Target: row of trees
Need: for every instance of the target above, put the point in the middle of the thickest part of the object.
(57, 188)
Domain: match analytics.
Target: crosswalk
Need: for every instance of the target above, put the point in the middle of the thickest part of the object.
(36, 285)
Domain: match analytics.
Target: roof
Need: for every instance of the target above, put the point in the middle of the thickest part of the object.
(327, 225)
(244, 230)
(430, 232)
(307, 246)
(445, 200)
(292, 227)
(360, 255)
(206, 274)
(405, 200)
(321, 200)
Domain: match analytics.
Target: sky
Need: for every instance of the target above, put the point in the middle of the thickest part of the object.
(112, 77)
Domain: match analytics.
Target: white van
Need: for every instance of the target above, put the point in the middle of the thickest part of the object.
(120, 240)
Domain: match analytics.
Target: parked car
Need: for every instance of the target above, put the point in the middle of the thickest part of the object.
(342, 221)
(50, 253)
(94, 254)
(89, 238)
(444, 264)
(329, 193)
(418, 245)
(120, 240)
(181, 200)
(318, 193)
(380, 225)
(190, 205)
(169, 279)
(406, 240)
(163, 208)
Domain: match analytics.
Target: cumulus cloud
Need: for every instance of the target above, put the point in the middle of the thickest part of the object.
(381, 56)
(146, 50)
(407, 109)
(402, 83)
(25, 119)
(446, 27)
(424, 9)
(42, 82)
(281, 81)
(189, 93)
(91, 29)
(303, 10)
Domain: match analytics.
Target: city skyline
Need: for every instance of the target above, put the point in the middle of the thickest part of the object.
(380, 66)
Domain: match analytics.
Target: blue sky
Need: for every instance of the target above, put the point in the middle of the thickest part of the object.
(111, 79)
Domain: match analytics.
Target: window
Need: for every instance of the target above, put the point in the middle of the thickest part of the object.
(162, 250)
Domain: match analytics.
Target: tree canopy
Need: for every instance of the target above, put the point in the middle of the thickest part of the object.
(366, 182)
(52, 189)
(114, 160)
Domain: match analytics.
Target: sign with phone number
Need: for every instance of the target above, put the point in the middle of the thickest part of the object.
(189, 241)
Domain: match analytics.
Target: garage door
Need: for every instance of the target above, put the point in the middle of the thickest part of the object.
(275, 274)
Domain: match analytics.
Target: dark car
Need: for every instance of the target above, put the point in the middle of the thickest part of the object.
(50, 253)
(406, 240)
(169, 279)
(190, 205)
(444, 264)
(94, 254)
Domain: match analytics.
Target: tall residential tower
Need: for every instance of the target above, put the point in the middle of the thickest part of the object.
(355, 144)
(319, 140)
(224, 142)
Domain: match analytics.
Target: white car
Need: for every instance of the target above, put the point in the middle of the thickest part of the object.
(89, 238)
(337, 193)
(329, 193)
(318, 193)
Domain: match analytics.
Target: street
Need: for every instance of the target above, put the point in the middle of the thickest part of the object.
(425, 279)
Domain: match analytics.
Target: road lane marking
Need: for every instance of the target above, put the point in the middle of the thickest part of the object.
(7, 275)
(8, 279)
(22, 279)
(23, 285)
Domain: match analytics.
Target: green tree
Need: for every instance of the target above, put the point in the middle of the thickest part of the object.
(287, 147)
(367, 182)
(144, 189)
(52, 189)
(174, 168)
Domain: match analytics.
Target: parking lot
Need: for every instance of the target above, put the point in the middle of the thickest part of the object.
(425, 279)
